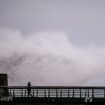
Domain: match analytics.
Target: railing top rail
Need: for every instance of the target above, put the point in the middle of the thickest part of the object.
(55, 87)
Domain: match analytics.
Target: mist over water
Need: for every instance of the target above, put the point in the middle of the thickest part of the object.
(49, 58)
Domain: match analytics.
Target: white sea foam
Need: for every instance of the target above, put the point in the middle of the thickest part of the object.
(49, 58)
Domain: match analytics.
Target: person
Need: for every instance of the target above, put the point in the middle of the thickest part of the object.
(29, 89)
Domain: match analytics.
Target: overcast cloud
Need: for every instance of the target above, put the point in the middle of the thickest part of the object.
(83, 20)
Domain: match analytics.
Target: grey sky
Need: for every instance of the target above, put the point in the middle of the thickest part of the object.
(83, 20)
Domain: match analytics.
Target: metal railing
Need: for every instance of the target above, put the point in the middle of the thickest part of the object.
(53, 91)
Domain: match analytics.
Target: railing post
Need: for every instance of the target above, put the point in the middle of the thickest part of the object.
(13, 92)
(56, 93)
(73, 93)
(36, 92)
(92, 93)
(88, 92)
(33, 92)
(48, 92)
(104, 92)
(85, 93)
(10, 92)
(44, 92)
(80, 93)
(61, 93)
(25, 92)
(21, 92)
(68, 93)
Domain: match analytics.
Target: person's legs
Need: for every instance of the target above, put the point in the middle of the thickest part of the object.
(29, 92)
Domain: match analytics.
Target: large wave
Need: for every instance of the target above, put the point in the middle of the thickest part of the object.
(49, 58)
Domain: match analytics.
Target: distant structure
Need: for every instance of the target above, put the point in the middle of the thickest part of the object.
(3, 80)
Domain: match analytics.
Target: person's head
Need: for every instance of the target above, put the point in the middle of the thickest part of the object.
(29, 83)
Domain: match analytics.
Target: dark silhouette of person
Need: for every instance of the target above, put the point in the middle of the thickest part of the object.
(29, 89)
